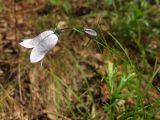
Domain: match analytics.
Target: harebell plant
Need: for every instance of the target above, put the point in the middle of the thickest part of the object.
(46, 40)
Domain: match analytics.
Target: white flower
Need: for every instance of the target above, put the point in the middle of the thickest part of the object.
(90, 32)
(41, 44)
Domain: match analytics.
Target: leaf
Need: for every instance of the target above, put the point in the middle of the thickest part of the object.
(66, 6)
(109, 2)
(54, 2)
(2, 7)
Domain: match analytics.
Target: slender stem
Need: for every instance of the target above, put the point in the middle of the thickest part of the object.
(121, 47)
(42, 63)
(64, 29)
(69, 28)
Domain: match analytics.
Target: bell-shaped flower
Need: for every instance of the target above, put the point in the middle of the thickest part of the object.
(90, 32)
(41, 44)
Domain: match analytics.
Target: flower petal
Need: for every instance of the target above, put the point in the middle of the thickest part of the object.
(36, 56)
(42, 36)
(31, 43)
(27, 43)
(43, 47)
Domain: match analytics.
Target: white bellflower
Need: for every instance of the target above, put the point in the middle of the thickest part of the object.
(41, 44)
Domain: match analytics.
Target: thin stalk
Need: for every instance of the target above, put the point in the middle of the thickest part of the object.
(121, 47)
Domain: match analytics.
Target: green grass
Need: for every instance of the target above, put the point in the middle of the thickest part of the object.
(2, 7)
